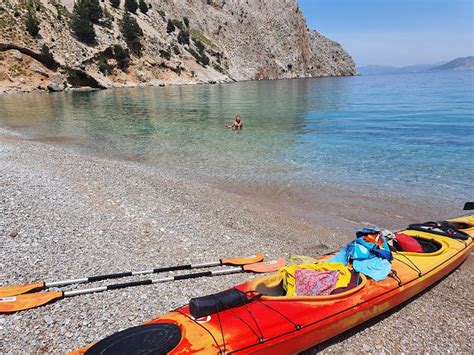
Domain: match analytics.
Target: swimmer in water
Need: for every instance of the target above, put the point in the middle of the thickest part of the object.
(237, 123)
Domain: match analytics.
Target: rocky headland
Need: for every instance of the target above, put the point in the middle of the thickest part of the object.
(43, 45)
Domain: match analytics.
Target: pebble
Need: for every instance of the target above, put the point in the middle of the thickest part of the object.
(48, 320)
(13, 233)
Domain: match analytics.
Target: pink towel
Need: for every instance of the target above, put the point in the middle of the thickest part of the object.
(315, 283)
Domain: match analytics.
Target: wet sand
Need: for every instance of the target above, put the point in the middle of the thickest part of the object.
(343, 209)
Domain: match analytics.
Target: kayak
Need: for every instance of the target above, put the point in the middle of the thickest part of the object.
(277, 323)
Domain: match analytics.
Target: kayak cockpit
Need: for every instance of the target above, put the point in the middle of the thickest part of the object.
(427, 245)
(271, 287)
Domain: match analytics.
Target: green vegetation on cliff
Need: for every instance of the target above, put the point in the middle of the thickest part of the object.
(32, 24)
(81, 24)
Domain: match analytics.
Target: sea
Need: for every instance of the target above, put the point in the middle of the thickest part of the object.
(400, 132)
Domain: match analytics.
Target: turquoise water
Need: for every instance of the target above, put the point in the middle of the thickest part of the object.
(411, 132)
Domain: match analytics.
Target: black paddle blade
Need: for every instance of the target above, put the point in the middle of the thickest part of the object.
(468, 206)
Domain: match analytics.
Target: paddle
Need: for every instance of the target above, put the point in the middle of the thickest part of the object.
(15, 290)
(33, 300)
(468, 206)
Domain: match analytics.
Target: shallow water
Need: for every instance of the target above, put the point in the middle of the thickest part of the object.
(400, 132)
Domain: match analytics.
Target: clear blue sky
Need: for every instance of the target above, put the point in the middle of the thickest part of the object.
(395, 32)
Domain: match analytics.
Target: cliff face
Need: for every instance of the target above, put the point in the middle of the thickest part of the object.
(243, 39)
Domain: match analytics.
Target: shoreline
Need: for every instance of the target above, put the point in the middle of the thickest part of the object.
(337, 206)
(78, 214)
(4, 90)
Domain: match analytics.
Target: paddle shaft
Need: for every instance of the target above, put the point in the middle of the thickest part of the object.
(131, 273)
(233, 270)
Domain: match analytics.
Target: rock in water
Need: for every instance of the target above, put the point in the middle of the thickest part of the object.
(57, 78)
(55, 87)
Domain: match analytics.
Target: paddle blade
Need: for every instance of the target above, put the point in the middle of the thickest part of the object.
(7, 291)
(468, 206)
(243, 261)
(270, 266)
(30, 300)
(81, 351)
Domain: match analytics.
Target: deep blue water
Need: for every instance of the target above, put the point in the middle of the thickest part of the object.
(412, 132)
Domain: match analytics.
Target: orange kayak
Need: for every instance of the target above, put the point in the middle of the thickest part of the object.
(281, 324)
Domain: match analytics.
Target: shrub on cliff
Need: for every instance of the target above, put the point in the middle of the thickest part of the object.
(186, 21)
(115, 3)
(131, 5)
(200, 46)
(143, 7)
(165, 53)
(46, 56)
(205, 60)
(122, 56)
(95, 11)
(104, 67)
(200, 57)
(81, 24)
(183, 37)
(32, 25)
(170, 26)
(130, 28)
(178, 24)
(162, 14)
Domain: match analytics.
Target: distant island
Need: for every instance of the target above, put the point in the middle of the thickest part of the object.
(461, 63)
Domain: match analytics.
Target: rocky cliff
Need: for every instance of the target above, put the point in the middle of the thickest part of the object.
(241, 39)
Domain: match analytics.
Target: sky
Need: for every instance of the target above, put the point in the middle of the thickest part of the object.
(395, 32)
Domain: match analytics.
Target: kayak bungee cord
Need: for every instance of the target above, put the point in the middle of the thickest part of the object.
(254, 320)
(393, 274)
(297, 326)
(416, 268)
(260, 339)
(222, 351)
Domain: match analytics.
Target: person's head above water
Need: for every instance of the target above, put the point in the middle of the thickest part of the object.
(237, 124)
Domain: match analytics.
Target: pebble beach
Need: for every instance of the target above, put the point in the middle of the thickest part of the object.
(65, 214)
